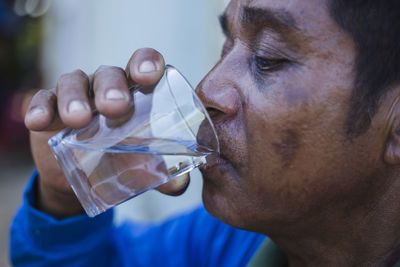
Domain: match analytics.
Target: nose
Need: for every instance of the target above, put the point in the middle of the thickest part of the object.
(218, 93)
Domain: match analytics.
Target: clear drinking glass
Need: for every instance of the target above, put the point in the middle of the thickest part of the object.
(113, 160)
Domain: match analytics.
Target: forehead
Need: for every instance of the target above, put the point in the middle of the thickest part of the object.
(310, 15)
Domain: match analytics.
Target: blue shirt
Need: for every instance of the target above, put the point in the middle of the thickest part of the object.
(191, 239)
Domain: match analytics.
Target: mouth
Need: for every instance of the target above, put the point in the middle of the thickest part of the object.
(216, 160)
(213, 161)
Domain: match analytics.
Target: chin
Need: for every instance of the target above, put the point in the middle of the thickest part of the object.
(223, 194)
(222, 205)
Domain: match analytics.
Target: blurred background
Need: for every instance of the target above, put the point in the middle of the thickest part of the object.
(42, 39)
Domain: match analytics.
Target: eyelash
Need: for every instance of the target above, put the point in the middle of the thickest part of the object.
(261, 65)
(265, 65)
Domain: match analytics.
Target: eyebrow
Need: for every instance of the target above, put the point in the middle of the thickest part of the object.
(280, 21)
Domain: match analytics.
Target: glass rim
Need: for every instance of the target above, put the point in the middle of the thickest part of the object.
(169, 68)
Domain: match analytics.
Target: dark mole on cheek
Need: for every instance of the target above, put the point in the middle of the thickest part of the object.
(287, 147)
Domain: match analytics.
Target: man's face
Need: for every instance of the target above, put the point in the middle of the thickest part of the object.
(279, 98)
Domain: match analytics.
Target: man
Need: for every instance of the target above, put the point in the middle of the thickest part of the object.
(305, 100)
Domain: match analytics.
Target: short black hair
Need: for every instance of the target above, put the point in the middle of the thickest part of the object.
(375, 28)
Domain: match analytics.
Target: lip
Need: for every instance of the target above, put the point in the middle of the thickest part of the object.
(213, 161)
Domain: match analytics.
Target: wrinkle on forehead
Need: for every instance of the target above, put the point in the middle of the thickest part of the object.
(313, 20)
(309, 13)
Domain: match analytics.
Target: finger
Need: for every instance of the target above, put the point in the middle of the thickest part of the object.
(41, 110)
(176, 186)
(111, 91)
(72, 99)
(146, 67)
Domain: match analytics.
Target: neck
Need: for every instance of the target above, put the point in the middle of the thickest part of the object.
(365, 235)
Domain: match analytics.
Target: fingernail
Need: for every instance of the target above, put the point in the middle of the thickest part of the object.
(77, 106)
(35, 113)
(147, 66)
(115, 94)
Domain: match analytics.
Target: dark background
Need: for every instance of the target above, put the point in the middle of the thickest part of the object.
(20, 36)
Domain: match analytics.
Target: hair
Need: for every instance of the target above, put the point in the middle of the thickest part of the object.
(375, 28)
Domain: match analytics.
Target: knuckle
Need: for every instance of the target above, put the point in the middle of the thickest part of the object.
(79, 73)
(102, 68)
(74, 77)
(147, 50)
(150, 51)
(63, 77)
(44, 94)
(107, 68)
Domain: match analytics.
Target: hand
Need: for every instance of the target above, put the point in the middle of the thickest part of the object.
(70, 105)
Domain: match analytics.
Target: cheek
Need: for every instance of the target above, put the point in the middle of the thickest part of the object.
(300, 107)
(233, 143)
(275, 122)
(289, 132)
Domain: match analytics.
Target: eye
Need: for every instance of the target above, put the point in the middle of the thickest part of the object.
(268, 64)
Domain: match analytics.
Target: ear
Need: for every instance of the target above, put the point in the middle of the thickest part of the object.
(392, 152)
